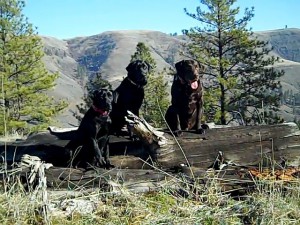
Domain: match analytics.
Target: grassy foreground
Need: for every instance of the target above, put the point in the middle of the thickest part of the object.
(271, 203)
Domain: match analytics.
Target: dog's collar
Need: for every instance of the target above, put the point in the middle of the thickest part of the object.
(135, 84)
(100, 111)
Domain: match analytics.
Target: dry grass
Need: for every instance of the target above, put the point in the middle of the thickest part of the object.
(272, 203)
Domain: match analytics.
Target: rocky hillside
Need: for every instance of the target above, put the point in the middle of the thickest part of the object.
(109, 53)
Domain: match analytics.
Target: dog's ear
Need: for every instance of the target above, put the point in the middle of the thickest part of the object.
(94, 94)
(179, 65)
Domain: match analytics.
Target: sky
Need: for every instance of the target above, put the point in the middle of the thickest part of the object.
(65, 19)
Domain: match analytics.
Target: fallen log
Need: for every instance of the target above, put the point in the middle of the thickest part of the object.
(243, 146)
(36, 176)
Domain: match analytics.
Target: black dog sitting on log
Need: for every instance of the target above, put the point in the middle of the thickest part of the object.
(186, 110)
(93, 133)
(129, 95)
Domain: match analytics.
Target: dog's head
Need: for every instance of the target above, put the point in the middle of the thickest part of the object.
(188, 72)
(137, 72)
(102, 101)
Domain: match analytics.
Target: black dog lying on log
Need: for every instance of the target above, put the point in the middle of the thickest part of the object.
(129, 95)
(91, 138)
(186, 110)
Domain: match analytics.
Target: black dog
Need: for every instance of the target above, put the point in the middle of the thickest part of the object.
(129, 95)
(93, 133)
(186, 109)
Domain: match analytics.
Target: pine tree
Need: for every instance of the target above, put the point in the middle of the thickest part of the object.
(239, 69)
(156, 97)
(143, 53)
(24, 78)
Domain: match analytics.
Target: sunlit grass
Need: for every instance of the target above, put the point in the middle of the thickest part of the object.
(270, 203)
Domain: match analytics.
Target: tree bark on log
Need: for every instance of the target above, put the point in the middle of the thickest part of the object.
(243, 146)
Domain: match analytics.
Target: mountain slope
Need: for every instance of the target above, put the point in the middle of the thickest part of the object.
(110, 52)
(58, 59)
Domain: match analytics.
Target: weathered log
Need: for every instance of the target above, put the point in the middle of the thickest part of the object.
(32, 171)
(35, 174)
(243, 146)
(107, 180)
(50, 147)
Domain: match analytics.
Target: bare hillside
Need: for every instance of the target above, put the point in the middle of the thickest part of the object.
(110, 52)
(286, 42)
(58, 59)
